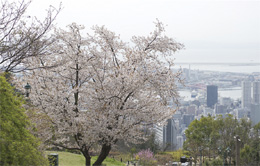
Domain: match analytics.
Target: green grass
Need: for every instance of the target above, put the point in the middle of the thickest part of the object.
(71, 159)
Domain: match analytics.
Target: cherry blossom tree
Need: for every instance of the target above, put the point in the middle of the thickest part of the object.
(104, 89)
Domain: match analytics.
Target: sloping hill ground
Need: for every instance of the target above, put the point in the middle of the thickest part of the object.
(71, 159)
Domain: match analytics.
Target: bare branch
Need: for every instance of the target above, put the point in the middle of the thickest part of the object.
(19, 41)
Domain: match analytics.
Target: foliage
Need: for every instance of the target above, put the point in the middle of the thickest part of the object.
(146, 157)
(211, 137)
(176, 155)
(250, 153)
(214, 162)
(17, 145)
(102, 89)
(246, 154)
(133, 151)
(198, 136)
(150, 143)
(163, 158)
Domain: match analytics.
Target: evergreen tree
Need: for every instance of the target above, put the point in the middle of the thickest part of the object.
(17, 145)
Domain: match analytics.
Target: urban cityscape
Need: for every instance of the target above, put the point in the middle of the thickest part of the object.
(211, 93)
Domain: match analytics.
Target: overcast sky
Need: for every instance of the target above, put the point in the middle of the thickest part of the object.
(211, 30)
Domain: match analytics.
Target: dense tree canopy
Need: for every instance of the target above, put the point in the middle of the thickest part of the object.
(215, 136)
(199, 136)
(17, 145)
(103, 89)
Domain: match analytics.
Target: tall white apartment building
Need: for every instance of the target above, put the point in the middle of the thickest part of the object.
(256, 92)
(179, 142)
(246, 94)
(255, 113)
(158, 131)
(170, 135)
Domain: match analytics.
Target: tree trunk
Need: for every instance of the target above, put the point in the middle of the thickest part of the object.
(103, 154)
(202, 159)
(209, 155)
(87, 157)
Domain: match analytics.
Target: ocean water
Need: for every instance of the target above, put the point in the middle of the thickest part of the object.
(234, 93)
(222, 67)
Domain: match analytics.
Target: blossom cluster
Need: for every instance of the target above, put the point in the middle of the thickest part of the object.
(145, 157)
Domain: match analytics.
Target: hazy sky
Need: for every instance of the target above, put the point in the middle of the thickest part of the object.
(211, 30)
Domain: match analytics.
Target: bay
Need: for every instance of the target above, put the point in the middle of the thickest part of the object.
(234, 93)
(222, 67)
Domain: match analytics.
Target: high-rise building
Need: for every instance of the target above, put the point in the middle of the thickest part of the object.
(256, 92)
(186, 73)
(212, 95)
(158, 131)
(179, 142)
(246, 94)
(170, 135)
(187, 119)
(255, 113)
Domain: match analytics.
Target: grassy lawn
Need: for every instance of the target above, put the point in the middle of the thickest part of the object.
(71, 159)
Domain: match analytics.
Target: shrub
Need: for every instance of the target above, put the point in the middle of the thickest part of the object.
(146, 157)
(216, 162)
(163, 158)
(18, 146)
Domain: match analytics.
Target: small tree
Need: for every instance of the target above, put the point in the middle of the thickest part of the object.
(193, 143)
(104, 90)
(146, 157)
(17, 145)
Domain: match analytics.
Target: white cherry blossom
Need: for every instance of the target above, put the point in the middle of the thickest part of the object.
(101, 89)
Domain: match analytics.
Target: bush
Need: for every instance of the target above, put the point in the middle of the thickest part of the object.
(215, 162)
(178, 154)
(146, 158)
(162, 159)
(18, 146)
